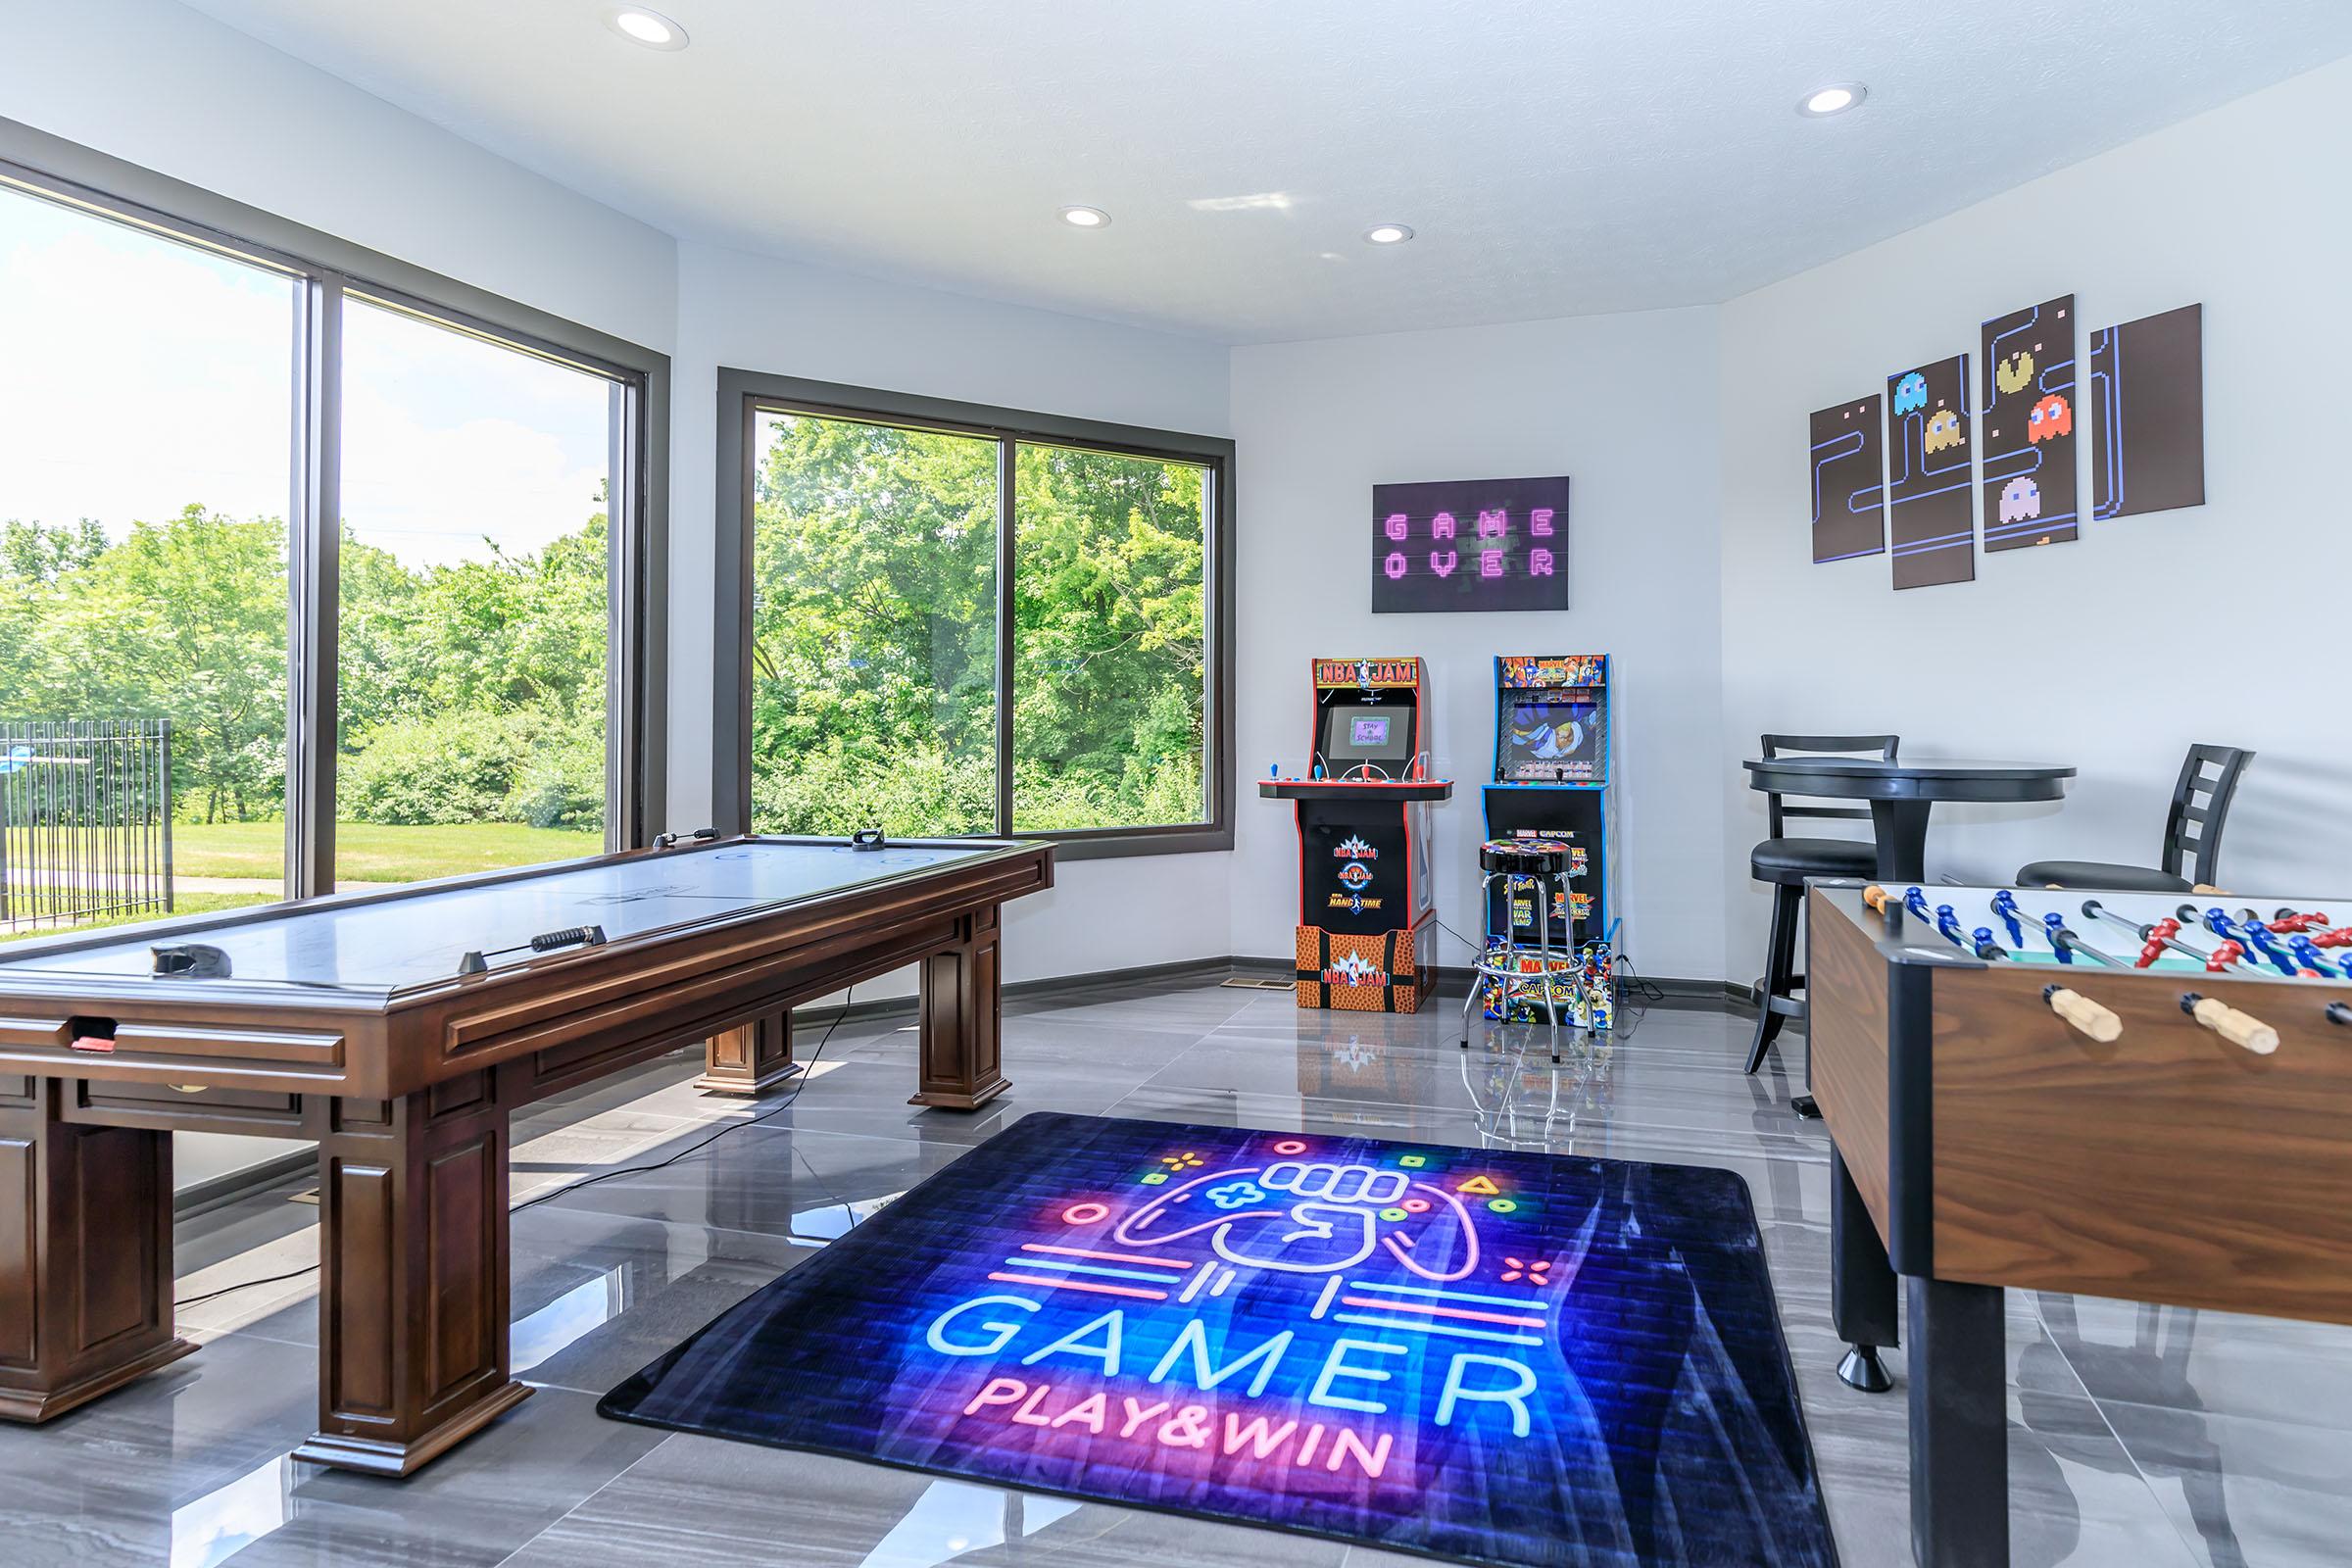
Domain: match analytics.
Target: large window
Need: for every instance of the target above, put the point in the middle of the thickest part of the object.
(316, 570)
(970, 621)
(474, 610)
(144, 477)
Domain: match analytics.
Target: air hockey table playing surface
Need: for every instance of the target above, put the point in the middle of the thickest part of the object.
(382, 944)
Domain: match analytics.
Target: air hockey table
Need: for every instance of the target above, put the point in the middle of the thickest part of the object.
(398, 1031)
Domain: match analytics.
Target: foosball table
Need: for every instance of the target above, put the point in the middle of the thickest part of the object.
(2143, 1096)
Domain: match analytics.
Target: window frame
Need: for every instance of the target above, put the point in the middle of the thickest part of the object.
(324, 270)
(744, 395)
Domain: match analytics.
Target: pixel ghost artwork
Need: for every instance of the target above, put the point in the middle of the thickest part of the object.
(2050, 418)
(2021, 499)
(1943, 431)
(1911, 393)
(2013, 372)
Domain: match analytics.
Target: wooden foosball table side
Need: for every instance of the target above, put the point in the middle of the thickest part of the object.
(1982, 1141)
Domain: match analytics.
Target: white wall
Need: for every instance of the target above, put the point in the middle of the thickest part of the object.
(2212, 623)
(756, 312)
(1625, 405)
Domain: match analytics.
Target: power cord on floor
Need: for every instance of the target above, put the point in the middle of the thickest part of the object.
(807, 1072)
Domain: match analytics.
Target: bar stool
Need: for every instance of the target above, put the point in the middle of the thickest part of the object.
(1786, 863)
(1543, 866)
(2192, 835)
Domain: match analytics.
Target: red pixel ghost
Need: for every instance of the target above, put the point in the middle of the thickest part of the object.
(2050, 418)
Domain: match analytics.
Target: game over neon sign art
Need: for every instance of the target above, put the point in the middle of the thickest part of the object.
(1470, 544)
(1500, 1356)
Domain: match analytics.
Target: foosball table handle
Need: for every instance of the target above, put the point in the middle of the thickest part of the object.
(2087, 1016)
(2242, 1029)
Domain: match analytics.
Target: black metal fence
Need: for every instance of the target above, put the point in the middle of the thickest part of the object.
(86, 820)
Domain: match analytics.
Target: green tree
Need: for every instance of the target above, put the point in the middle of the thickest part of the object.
(183, 620)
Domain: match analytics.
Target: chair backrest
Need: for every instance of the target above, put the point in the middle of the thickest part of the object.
(2192, 829)
(1821, 746)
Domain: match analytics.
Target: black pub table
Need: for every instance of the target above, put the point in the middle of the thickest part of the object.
(1900, 796)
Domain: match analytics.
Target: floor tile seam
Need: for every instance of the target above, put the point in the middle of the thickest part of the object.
(609, 1482)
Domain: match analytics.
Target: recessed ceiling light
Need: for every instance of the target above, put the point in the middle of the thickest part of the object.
(649, 28)
(1085, 216)
(1388, 233)
(1834, 99)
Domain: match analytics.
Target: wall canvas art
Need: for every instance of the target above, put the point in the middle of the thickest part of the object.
(2027, 398)
(2147, 394)
(1932, 505)
(1470, 544)
(1848, 481)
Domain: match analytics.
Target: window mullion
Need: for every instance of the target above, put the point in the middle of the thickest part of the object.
(313, 545)
(1004, 631)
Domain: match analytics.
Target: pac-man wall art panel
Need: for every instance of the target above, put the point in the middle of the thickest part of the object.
(1932, 505)
(1849, 486)
(2027, 398)
(2148, 425)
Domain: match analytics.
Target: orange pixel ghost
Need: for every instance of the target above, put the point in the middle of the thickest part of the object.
(2050, 418)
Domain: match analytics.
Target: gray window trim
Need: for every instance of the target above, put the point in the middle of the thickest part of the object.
(743, 393)
(326, 269)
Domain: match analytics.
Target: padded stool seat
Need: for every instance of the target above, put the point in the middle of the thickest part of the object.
(2100, 874)
(1790, 860)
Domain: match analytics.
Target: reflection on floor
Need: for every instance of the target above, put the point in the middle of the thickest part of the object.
(2149, 1437)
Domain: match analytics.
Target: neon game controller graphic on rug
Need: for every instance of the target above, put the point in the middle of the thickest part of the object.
(2012, 373)
(2021, 499)
(1311, 1217)
(2050, 418)
(1911, 393)
(1943, 431)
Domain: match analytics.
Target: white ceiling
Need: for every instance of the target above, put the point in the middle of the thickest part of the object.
(1555, 158)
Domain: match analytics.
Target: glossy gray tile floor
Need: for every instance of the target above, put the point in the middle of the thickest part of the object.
(2144, 1438)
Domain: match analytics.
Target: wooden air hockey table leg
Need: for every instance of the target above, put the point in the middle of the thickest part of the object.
(85, 1254)
(413, 1343)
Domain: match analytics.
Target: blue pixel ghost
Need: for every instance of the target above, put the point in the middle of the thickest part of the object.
(1910, 393)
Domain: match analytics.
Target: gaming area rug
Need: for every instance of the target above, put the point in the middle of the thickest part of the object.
(1491, 1357)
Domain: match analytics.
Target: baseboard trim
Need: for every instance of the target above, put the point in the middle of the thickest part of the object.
(219, 1192)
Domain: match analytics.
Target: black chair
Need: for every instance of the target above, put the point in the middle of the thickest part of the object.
(1786, 863)
(2192, 834)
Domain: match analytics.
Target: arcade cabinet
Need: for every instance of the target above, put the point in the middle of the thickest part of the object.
(1554, 780)
(1367, 907)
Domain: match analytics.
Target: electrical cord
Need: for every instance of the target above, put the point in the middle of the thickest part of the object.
(849, 999)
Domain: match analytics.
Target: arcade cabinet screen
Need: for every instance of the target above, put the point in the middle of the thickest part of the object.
(1374, 734)
(1550, 738)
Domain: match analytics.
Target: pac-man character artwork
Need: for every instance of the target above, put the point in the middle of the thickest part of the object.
(1911, 393)
(1943, 431)
(2050, 418)
(2011, 374)
(2021, 499)
(1495, 1357)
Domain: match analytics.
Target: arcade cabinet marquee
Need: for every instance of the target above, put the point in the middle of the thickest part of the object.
(1368, 911)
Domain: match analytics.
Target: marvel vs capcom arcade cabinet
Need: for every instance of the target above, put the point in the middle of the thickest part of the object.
(1367, 906)
(1552, 781)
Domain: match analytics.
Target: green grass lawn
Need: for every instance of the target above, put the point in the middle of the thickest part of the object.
(372, 852)
(365, 851)
(186, 904)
